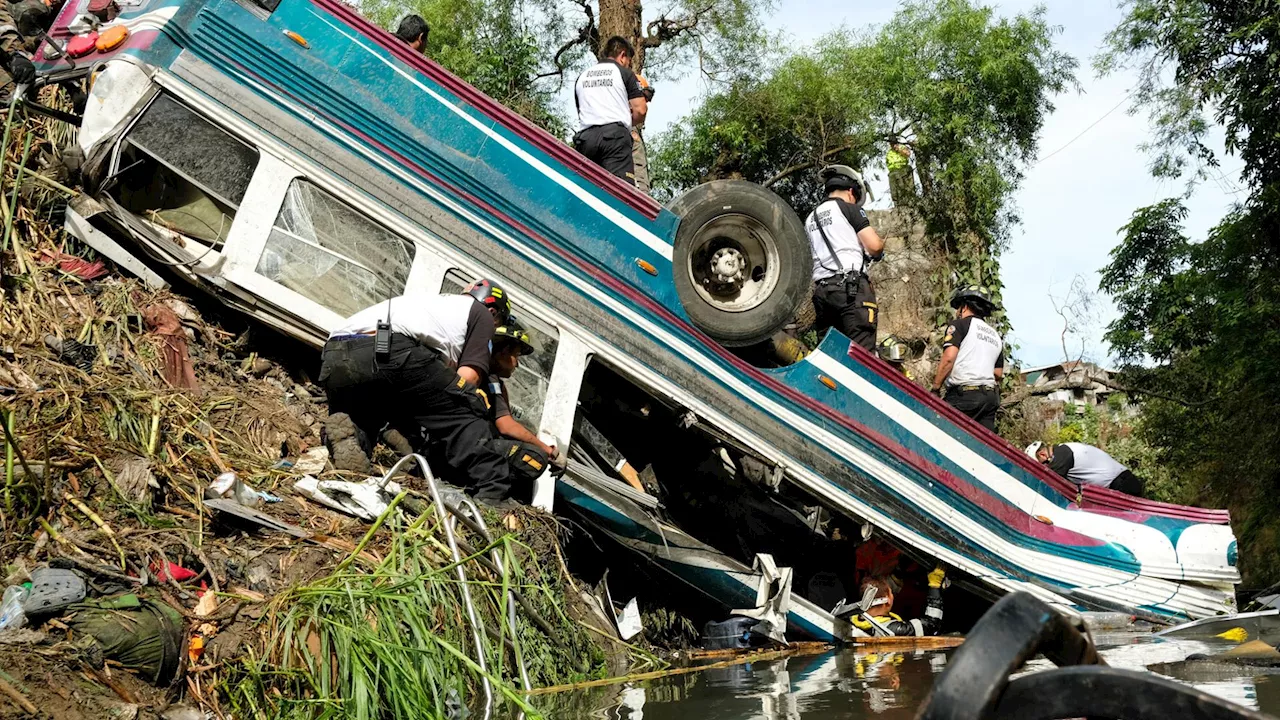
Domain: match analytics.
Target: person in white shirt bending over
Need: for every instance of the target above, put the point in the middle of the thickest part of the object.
(417, 364)
(1087, 465)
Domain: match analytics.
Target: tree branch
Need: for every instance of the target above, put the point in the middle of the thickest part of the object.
(793, 169)
(585, 34)
(664, 29)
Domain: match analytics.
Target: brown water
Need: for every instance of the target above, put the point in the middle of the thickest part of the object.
(852, 683)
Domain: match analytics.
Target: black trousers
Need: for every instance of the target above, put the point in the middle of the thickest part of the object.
(848, 305)
(981, 405)
(526, 461)
(610, 147)
(1129, 484)
(416, 393)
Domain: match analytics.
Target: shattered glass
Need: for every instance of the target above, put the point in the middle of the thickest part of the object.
(528, 386)
(328, 252)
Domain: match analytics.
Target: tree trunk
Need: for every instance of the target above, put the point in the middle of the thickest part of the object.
(622, 18)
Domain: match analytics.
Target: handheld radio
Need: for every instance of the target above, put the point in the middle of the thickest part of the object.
(382, 338)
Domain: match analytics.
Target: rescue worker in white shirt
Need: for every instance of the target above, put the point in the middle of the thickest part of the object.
(416, 363)
(1087, 465)
(527, 455)
(844, 244)
(610, 102)
(972, 358)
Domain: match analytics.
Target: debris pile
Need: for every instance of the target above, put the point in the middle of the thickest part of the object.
(175, 544)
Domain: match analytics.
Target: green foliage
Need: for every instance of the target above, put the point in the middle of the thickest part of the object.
(394, 639)
(1221, 58)
(496, 45)
(1198, 335)
(966, 90)
(1198, 329)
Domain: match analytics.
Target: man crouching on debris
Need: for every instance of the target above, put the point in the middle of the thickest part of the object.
(416, 363)
(880, 618)
(525, 453)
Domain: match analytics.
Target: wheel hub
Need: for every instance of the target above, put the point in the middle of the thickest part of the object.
(727, 265)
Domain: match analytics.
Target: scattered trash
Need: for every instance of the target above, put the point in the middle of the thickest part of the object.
(12, 615)
(229, 485)
(221, 486)
(366, 499)
(142, 635)
(72, 352)
(53, 590)
(313, 461)
(134, 480)
(178, 371)
(208, 604)
(255, 517)
(73, 265)
(629, 621)
(174, 572)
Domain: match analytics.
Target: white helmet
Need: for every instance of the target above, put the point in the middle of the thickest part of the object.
(843, 177)
(1034, 448)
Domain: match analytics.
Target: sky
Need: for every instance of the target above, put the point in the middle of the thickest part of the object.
(1073, 203)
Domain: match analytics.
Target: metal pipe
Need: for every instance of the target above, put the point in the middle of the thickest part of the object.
(476, 626)
(511, 600)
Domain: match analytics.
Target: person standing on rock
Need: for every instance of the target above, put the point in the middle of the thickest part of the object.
(972, 358)
(610, 102)
(844, 245)
(417, 363)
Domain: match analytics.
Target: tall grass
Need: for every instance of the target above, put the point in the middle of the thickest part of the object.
(392, 640)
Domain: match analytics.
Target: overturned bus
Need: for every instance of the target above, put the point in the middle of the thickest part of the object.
(301, 164)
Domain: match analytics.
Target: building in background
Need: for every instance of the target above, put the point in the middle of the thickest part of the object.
(1068, 388)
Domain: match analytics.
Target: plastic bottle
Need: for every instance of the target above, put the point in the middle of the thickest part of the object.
(11, 614)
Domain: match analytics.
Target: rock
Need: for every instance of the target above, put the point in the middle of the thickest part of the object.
(182, 712)
(260, 367)
(302, 394)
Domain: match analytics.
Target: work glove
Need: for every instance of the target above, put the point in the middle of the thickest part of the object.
(937, 577)
(22, 70)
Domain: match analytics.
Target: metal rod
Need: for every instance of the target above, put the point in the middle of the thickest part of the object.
(441, 514)
(511, 599)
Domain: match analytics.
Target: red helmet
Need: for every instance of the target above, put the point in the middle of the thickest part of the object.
(491, 296)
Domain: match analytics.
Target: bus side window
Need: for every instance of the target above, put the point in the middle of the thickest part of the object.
(328, 252)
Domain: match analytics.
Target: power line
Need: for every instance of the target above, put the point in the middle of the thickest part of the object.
(1091, 126)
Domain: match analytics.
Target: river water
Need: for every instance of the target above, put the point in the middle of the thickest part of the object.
(855, 683)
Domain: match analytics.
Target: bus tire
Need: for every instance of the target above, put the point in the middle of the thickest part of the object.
(741, 263)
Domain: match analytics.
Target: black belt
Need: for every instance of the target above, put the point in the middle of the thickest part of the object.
(970, 388)
(354, 337)
(841, 277)
(363, 337)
